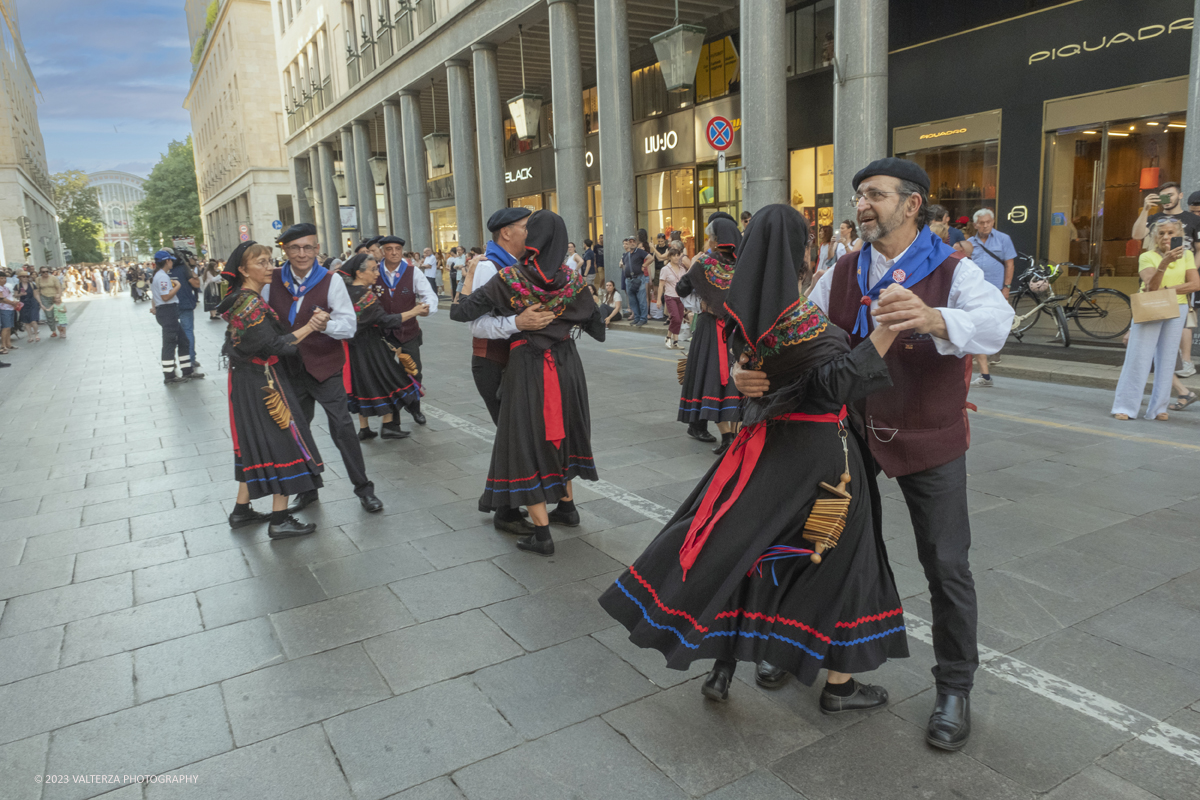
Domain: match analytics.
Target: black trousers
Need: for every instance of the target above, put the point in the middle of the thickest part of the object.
(412, 349)
(488, 376)
(937, 505)
(331, 394)
(173, 340)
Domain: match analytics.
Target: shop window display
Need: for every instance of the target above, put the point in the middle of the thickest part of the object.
(961, 178)
(809, 34)
(666, 203)
(811, 185)
(717, 73)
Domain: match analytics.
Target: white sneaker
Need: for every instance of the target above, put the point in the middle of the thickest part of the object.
(983, 383)
(1189, 369)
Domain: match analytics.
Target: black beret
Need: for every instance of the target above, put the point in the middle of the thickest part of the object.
(298, 231)
(390, 240)
(1193, 198)
(506, 216)
(896, 168)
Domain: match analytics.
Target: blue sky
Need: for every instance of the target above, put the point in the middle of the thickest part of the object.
(113, 77)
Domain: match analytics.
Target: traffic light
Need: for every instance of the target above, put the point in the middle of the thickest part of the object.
(27, 252)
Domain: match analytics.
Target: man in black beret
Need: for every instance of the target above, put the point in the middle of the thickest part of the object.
(399, 293)
(917, 430)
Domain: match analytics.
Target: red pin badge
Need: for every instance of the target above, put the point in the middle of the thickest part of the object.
(898, 276)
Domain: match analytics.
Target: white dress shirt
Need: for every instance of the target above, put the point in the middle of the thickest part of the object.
(425, 293)
(431, 266)
(978, 318)
(343, 323)
(490, 326)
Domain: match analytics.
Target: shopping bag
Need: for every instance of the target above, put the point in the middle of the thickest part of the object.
(1155, 306)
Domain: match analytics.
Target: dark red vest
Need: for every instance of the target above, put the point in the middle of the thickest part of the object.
(402, 299)
(323, 356)
(921, 421)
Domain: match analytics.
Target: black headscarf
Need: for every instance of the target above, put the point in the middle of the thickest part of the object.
(770, 259)
(351, 267)
(232, 275)
(545, 250)
(716, 215)
(725, 231)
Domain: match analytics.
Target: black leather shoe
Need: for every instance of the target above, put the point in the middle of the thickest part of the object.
(366, 433)
(250, 517)
(726, 441)
(289, 528)
(769, 676)
(418, 417)
(394, 432)
(865, 696)
(716, 686)
(950, 722)
(569, 519)
(303, 501)
(371, 503)
(519, 526)
(701, 435)
(532, 545)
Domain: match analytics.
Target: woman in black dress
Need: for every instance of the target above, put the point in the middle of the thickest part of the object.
(544, 435)
(730, 577)
(379, 386)
(274, 452)
(708, 393)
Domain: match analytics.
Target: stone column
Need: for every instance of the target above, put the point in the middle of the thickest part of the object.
(368, 212)
(462, 146)
(397, 188)
(764, 112)
(489, 129)
(300, 174)
(614, 95)
(1190, 179)
(414, 170)
(566, 90)
(333, 222)
(319, 216)
(860, 93)
(351, 177)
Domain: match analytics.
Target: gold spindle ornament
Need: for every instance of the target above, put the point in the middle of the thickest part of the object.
(827, 519)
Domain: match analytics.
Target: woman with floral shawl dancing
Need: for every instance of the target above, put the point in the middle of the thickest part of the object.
(274, 453)
(544, 434)
(379, 385)
(708, 393)
(731, 577)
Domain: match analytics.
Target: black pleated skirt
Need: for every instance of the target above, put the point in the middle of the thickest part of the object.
(843, 614)
(378, 384)
(702, 396)
(527, 469)
(269, 459)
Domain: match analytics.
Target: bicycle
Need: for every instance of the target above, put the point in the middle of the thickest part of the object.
(1106, 312)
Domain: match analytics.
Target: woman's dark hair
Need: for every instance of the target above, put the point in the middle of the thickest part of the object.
(853, 228)
(676, 236)
(643, 238)
(826, 234)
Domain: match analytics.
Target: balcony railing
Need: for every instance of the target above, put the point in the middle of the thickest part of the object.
(353, 76)
(383, 40)
(366, 56)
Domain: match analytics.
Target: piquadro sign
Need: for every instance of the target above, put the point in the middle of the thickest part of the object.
(1107, 41)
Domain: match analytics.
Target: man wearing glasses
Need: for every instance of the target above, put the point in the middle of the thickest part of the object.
(917, 429)
(296, 290)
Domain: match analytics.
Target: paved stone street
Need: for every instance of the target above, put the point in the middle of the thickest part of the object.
(417, 654)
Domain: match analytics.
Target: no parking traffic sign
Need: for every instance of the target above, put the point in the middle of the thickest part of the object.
(719, 133)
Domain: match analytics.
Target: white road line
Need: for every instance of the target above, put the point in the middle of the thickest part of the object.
(1117, 715)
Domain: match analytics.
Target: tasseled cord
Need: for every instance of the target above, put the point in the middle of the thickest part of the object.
(776, 553)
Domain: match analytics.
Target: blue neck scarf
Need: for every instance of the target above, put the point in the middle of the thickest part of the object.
(392, 283)
(921, 258)
(298, 290)
(499, 256)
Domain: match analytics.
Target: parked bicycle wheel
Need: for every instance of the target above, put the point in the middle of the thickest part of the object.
(1102, 313)
(1060, 317)
(1023, 303)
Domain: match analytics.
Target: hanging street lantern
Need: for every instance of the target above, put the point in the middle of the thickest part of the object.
(339, 183)
(378, 169)
(525, 109)
(310, 196)
(437, 144)
(678, 51)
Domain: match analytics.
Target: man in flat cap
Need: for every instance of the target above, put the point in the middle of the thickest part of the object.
(401, 291)
(917, 430)
(296, 290)
(491, 334)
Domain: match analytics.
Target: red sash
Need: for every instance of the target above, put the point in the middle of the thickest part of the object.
(723, 352)
(739, 460)
(552, 416)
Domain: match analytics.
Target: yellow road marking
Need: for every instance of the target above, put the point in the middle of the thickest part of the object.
(1084, 429)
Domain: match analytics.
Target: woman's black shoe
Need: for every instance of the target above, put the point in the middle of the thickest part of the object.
(566, 517)
(865, 696)
(290, 527)
(544, 547)
(240, 519)
(303, 501)
(392, 430)
(716, 686)
(769, 676)
(726, 440)
(701, 434)
(366, 433)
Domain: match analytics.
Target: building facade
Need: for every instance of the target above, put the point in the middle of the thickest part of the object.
(237, 130)
(28, 220)
(118, 194)
(398, 114)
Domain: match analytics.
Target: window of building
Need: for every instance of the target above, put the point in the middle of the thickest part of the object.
(591, 111)
(666, 202)
(809, 33)
(650, 95)
(719, 191)
(595, 211)
(717, 73)
(811, 186)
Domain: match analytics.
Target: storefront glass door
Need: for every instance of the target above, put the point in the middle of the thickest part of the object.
(666, 202)
(719, 191)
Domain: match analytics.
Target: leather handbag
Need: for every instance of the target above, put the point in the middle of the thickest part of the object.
(1154, 306)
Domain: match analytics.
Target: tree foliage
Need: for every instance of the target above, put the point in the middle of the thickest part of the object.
(172, 204)
(79, 217)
